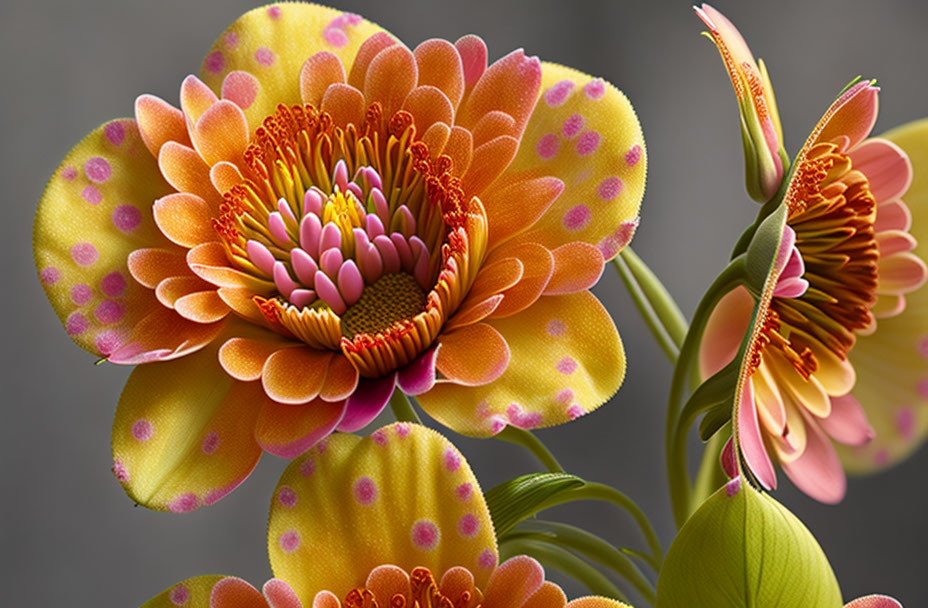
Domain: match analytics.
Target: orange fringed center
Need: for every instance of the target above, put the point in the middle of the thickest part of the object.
(424, 594)
(832, 212)
(355, 238)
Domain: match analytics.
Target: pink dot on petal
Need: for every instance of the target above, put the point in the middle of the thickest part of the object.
(308, 467)
(572, 126)
(565, 396)
(923, 347)
(588, 143)
(556, 328)
(115, 132)
(287, 497)
(107, 341)
(214, 62)
(487, 559)
(575, 411)
(179, 595)
(557, 93)
(451, 459)
(127, 217)
(142, 430)
(881, 457)
(84, 254)
(185, 503)
(273, 12)
(425, 535)
(210, 443)
(633, 155)
(595, 89)
(567, 365)
(81, 294)
(76, 324)
(289, 541)
(464, 491)
(230, 39)
(905, 423)
(733, 487)
(617, 241)
(335, 37)
(922, 388)
(402, 429)
(577, 218)
(120, 471)
(365, 490)
(265, 56)
(97, 169)
(609, 188)
(468, 525)
(49, 275)
(379, 437)
(69, 173)
(109, 311)
(113, 285)
(547, 146)
(92, 195)
(497, 424)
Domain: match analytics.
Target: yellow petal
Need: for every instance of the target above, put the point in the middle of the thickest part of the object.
(892, 363)
(272, 43)
(191, 593)
(403, 496)
(596, 602)
(183, 436)
(584, 132)
(94, 212)
(566, 360)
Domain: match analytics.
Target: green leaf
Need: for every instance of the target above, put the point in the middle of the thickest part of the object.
(746, 551)
(520, 498)
(762, 250)
(714, 419)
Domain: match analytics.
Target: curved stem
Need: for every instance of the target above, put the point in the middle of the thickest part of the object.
(402, 408)
(650, 316)
(533, 444)
(552, 556)
(660, 299)
(710, 476)
(591, 547)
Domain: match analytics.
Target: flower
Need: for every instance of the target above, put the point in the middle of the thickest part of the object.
(399, 520)
(845, 259)
(329, 215)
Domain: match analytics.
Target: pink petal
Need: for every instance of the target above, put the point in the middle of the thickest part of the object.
(260, 256)
(350, 283)
(280, 595)
(367, 401)
(818, 472)
(886, 166)
(310, 230)
(725, 330)
(874, 601)
(847, 422)
(419, 376)
(304, 266)
(749, 437)
(894, 215)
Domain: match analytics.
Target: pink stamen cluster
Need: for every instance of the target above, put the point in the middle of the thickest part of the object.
(340, 245)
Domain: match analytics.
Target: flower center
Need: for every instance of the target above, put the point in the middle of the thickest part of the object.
(357, 240)
(425, 593)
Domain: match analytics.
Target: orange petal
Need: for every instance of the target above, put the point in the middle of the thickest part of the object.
(510, 85)
(472, 355)
(202, 307)
(289, 430)
(320, 71)
(488, 162)
(436, 137)
(472, 312)
(473, 52)
(183, 435)
(151, 266)
(440, 66)
(241, 88)
(513, 582)
(183, 168)
(340, 380)
(537, 268)
(496, 277)
(386, 582)
(172, 289)
(428, 105)
(369, 49)
(460, 148)
(390, 77)
(232, 592)
(208, 261)
(516, 207)
(345, 103)
(159, 122)
(584, 132)
(577, 266)
(185, 219)
(272, 42)
(244, 358)
(492, 125)
(195, 99)
(224, 176)
(241, 301)
(295, 375)
(221, 133)
(162, 335)
(549, 595)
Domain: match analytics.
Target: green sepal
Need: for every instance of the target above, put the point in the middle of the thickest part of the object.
(518, 499)
(714, 419)
(743, 549)
(762, 251)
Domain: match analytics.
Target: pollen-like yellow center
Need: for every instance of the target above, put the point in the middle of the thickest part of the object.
(393, 298)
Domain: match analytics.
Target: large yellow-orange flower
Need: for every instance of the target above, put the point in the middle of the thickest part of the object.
(328, 215)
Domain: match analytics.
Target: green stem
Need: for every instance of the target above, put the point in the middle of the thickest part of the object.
(589, 546)
(402, 408)
(662, 302)
(552, 556)
(651, 319)
(710, 476)
(533, 444)
(678, 476)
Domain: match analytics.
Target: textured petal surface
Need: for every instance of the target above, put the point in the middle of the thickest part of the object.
(289, 430)
(874, 601)
(95, 211)
(193, 593)
(596, 602)
(403, 496)
(271, 44)
(472, 355)
(566, 360)
(233, 592)
(584, 132)
(892, 363)
(183, 436)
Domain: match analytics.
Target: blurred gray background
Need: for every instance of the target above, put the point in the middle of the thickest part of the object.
(68, 534)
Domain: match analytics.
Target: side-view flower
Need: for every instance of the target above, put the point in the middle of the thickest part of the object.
(330, 216)
(401, 523)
